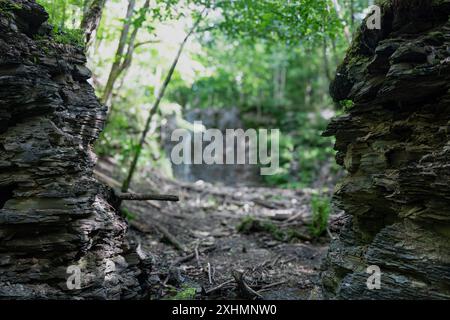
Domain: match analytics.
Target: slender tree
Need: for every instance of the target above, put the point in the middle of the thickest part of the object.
(123, 59)
(155, 107)
(118, 57)
(326, 63)
(64, 15)
(352, 13)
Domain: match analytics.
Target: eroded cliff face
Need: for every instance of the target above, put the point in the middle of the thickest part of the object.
(395, 145)
(53, 213)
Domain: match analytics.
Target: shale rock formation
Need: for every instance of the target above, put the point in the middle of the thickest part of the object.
(55, 219)
(394, 144)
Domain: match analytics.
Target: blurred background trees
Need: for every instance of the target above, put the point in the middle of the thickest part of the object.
(273, 60)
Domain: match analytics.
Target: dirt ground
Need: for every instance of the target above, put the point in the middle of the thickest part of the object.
(224, 242)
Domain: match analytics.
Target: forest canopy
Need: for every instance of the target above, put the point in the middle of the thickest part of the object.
(271, 60)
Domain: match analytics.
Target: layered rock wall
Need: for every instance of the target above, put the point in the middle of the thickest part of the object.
(55, 217)
(394, 143)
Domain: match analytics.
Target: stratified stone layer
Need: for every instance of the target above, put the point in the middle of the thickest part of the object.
(394, 143)
(53, 213)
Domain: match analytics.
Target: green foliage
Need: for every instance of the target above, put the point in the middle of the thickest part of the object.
(250, 225)
(69, 36)
(346, 105)
(303, 152)
(7, 5)
(186, 293)
(246, 225)
(276, 21)
(256, 77)
(320, 206)
(121, 136)
(273, 86)
(264, 57)
(64, 14)
(130, 216)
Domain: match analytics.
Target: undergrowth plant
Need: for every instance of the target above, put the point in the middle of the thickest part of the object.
(320, 206)
(68, 36)
(250, 224)
(186, 293)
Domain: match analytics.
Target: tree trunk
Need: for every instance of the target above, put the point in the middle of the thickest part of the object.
(63, 18)
(155, 107)
(352, 13)
(91, 19)
(114, 73)
(326, 63)
(123, 62)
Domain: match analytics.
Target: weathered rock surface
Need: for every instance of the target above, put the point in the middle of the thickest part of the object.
(395, 145)
(53, 213)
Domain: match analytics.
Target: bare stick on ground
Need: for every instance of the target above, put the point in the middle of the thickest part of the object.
(192, 255)
(267, 287)
(244, 289)
(220, 286)
(169, 237)
(145, 196)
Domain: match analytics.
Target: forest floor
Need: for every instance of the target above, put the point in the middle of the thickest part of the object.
(222, 242)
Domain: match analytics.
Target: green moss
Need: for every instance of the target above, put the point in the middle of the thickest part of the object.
(250, 224)
(347, 105)
(69, 36)
(274, 231)
(73, 37)
(293, 234)
(6, 7)
(246, 224)
(186, 293)
(9, 5)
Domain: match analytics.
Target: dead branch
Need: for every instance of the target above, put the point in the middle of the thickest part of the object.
(220, 286)
(209, 274)
(272, 285)
(114, 184)
(230, 196)
(265, 204)
(192, 255)
(139, 44)
(145, 196)
(243, 288)
(170, 237)
(197, 255)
